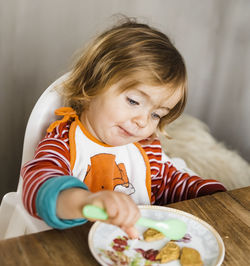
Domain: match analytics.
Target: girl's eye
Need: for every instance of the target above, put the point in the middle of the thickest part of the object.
(155, 116)
(132, 102)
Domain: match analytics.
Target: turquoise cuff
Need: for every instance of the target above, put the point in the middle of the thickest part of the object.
(46, 201)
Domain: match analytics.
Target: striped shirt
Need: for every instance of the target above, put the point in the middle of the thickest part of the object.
(52, 159)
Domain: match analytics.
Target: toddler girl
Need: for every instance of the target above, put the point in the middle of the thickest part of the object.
(127, 85)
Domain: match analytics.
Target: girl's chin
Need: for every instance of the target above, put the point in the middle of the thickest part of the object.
(119, 141)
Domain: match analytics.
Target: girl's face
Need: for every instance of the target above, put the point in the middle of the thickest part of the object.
(118, 118)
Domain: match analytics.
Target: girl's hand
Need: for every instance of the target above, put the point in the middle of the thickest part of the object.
(121, 209)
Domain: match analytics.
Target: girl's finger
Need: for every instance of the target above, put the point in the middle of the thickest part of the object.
(132, 232)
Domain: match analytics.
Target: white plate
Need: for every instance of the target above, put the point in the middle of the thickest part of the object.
(204, 238)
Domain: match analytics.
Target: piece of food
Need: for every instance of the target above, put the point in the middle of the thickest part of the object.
(190, 257)
(170, 251)
(152, 235)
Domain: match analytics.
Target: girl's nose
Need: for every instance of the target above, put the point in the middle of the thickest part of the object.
(141, 120)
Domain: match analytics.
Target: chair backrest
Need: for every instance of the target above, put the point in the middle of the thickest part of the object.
(40, 118)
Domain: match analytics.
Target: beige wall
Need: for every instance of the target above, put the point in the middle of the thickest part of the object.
(38, 39)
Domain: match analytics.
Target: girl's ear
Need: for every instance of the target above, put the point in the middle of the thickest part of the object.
(148, 140)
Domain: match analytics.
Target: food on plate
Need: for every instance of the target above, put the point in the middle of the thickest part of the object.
(190, 257)
(152, 235)
(171, 251)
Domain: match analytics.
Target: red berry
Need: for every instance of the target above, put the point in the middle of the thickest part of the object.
(118, 248)
(120, 242)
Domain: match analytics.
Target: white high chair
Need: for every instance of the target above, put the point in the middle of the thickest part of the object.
(14, 219)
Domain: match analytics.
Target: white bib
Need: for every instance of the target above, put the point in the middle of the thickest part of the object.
(122, 168)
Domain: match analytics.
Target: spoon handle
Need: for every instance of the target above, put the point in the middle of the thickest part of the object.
(172, 228)
(91, 211)
(94, 212)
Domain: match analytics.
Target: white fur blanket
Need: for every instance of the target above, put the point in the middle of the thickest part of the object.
(192, 141)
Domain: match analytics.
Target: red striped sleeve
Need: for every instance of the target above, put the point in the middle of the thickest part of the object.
(169, 185)
(52, 158)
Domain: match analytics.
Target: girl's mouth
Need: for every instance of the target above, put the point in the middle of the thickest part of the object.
(125, 132)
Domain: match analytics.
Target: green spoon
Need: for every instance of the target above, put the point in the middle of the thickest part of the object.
(173, 228)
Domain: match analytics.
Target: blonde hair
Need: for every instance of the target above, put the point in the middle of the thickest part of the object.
(131, 52)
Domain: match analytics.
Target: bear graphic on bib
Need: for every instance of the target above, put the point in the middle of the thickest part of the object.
(105, 173)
